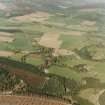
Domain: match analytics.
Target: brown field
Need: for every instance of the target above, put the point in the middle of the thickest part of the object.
(62, 52)
(25, 100)
(6, 39)
(88, 23)
(31, 78)
(38, 17)
(5, 34)
(6, 53)
(51, 40)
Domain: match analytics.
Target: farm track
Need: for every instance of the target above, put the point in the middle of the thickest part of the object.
(25, 100)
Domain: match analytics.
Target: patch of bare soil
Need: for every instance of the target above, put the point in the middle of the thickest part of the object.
(62, 52)
(6, 53)
(26, 100)
(38, 17)
(6, 39)
(5, 34)
(50, 40)
(88, 23)
(92, 95)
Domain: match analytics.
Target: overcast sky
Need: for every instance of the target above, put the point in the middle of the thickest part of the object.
(95, 0)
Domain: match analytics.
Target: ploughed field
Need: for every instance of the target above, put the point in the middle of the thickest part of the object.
(25, 100)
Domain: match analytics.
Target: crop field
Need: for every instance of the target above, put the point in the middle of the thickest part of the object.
(21, 100)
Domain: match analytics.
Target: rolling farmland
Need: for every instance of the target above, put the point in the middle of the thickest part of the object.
(52, 48)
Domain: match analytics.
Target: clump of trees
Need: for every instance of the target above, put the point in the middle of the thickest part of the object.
(54, 86)
(60, 86)
(93, 52)
(10, 84)
(81, 68)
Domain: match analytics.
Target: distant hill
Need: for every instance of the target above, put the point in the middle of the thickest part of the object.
(20, 7)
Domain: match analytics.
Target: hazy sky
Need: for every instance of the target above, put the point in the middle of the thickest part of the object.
(95, 0)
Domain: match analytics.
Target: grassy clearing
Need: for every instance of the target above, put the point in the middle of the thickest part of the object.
(64, 72)
(35, 59)
(96, 69)
(72, 42)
